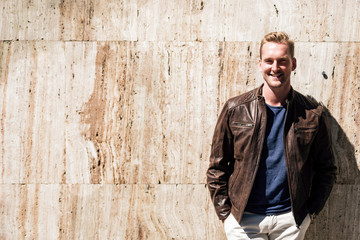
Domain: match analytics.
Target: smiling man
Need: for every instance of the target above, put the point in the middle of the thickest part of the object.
(271, 164)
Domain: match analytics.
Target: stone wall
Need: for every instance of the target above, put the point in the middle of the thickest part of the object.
(108, 110)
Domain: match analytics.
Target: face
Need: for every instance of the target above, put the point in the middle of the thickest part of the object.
(276, 65)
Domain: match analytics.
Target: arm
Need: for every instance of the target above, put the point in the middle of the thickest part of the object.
(323, 167)
(221, 166)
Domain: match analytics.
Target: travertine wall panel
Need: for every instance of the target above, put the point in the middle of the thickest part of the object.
(33, 107)
(189, 20)
(29, 211)
(139, 211)
(108, 109)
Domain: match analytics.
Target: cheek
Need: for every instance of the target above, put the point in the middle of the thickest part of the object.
(286, 69)
(265, 68)
(262, 70)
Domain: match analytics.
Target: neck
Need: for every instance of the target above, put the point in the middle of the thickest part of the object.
(275, 96)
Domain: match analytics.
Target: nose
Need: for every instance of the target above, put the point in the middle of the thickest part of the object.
(275, 66)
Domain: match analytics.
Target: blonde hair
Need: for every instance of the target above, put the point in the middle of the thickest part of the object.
(278, 37)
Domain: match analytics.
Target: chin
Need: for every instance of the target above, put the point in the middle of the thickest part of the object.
(274, 84)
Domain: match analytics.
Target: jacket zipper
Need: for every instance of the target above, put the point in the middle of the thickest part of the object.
(304, 128)
(243, 124)
(262, 145)
(286, 161)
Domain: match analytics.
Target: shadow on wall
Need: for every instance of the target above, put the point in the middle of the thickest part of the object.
(340, 217)
(344, 151)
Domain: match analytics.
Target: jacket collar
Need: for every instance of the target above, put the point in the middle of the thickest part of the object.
(288, 100)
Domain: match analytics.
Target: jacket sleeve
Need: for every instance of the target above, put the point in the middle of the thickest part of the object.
(221, 165)
(324, 168)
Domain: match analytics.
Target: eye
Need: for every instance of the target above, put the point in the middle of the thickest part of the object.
(283, 61)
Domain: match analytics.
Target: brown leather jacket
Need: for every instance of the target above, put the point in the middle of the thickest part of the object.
(237, 144)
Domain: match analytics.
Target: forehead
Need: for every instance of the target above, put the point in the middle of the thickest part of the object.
(273, 49)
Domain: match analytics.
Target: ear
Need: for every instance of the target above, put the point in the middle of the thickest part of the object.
(293, 64)
(259, 64)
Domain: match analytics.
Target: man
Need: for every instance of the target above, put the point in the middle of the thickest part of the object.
(271, 165)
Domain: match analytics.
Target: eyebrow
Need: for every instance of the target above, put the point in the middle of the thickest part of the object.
(282, 58)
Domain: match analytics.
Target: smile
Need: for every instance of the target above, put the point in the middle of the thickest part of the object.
(276, 75)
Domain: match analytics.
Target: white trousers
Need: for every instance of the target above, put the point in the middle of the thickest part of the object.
(256, 226)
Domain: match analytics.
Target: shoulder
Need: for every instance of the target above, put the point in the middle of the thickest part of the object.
(241, 99)
(308, 103)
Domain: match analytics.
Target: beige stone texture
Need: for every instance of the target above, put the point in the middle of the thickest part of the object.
(108, 110)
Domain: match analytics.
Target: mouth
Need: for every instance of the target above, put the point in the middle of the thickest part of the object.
(276, 75)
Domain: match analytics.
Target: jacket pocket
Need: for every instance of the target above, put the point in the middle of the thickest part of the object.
(305, 134)
(242, 134)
